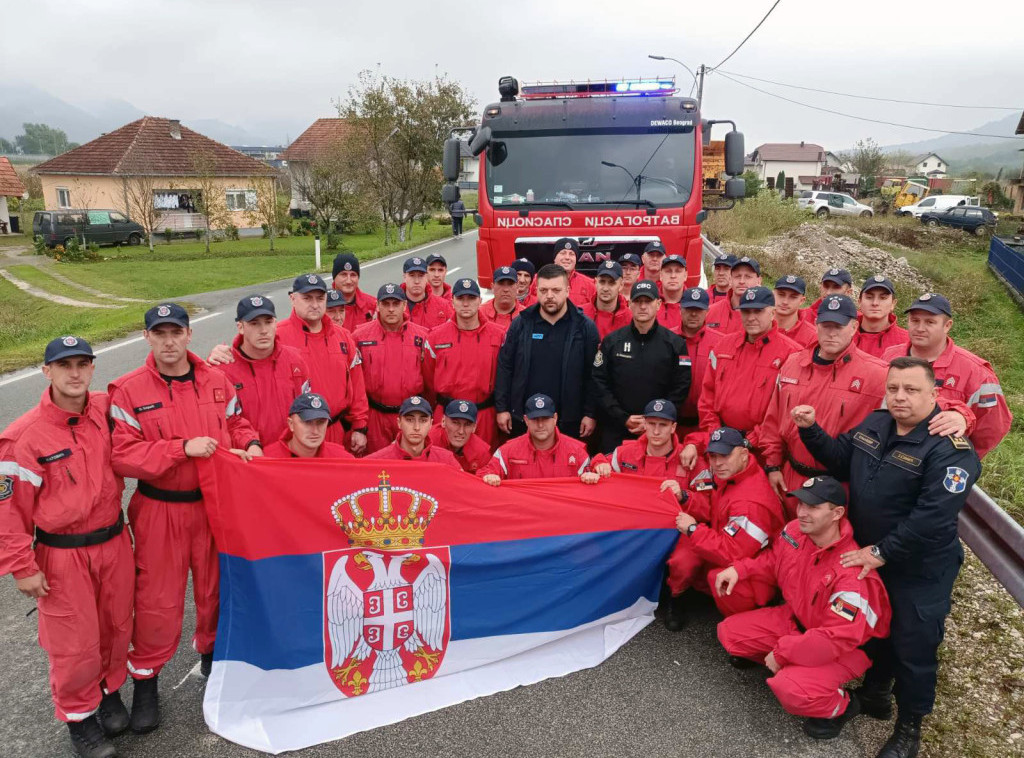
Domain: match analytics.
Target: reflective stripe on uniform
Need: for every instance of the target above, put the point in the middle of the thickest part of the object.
(305, 388)
(713, 359)
(430, 350)
(985, 389)
(497, 454)
(75, 717)
(357, 360)
(615, 461)
(584, 466)
(855, 599)
(139, 672)
(751, 528)
(232, 408)
(120, 414)
(11, 468)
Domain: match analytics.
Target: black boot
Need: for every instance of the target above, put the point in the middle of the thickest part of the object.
(905, 740)
(145, 706)
(88, 739)
(205, 663)
(737, 662)
(829, 729)
(875, 701)
(112, 714)
(675, 618)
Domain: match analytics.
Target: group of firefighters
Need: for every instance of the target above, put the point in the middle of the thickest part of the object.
(819, 457)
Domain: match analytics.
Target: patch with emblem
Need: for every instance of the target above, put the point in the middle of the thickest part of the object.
(960, 443)
(684, 360)
(417, 341)
(792, 542)
(704, 486)
(163, 311)
(6, 488)
(69, 341)
(855, 385)
(777, 363)
(218, 395)
(53, 457)
(865, 439)
(598, 359)
(833, 305)
(956, 479)
(256, 301)
(731, 528)
(844, 609)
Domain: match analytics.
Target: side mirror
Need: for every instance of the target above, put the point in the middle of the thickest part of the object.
(480, 140)
(497, 153)
(450, 160)
(735, 189)
(450, 193)
(734, 153)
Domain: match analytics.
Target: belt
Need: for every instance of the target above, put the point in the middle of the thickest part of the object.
(97, 537)
(170, 496)
(487, 402)
(393, 409)
(803, 470)
(340, 418)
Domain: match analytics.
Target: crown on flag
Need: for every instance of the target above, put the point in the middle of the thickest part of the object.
(397, 518)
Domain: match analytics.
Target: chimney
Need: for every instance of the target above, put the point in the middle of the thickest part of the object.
(175, 128)
(801, 143)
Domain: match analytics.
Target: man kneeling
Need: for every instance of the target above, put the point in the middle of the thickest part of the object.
(308, 419)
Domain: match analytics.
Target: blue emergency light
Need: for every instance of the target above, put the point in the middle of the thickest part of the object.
(606, 88)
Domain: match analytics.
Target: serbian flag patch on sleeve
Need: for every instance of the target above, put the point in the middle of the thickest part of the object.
(844, 609)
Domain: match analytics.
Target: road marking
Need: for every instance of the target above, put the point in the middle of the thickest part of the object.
(452, 271)
(191, 671)
(410, 251)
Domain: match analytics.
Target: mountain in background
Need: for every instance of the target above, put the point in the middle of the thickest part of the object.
(968, 152)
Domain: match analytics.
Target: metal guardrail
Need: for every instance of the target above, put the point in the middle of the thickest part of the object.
(1008, 264)
(996, 539)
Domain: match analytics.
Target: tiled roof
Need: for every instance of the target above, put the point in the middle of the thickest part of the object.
(155, 147)
(790, 151)
(321, 134)
(10, 182)
(920, 158)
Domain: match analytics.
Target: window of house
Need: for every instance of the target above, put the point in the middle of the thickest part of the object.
(63, 197)
(240, 200)
(924, 165)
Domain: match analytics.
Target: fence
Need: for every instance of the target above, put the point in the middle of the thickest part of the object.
(996, 539)
(1007, 262)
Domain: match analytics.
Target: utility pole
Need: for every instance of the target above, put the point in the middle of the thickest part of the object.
(700, 87)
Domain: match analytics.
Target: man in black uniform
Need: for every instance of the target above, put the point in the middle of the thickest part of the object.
(906, 489)
(636, 364)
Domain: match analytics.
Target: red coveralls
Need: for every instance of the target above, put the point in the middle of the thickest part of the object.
(837, 612)
(280, 449)
(55, 474)
(359, 311)
(463, 365)
(698, 348)
(267, 387)
(963, 377)
(608, 321)
(631, 458)
(334, 370)
(152, 420)
(501, 319)
(877, 343)
(736, 519)
(581, 290)
(723, 318)
(670, 316)
(431, 311)
(395, 368)
(431, 454)
(810, 315)
(519, 459)
(715, 295)
(804, 333)
(474, 454)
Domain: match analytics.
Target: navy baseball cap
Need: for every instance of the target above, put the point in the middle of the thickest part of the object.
(435, 258)
(609, 268)
(791, 282)
(334, 299)
(463, 409)
(677, 259)
(746, 260)
(66, 347)
(655, 247)
(660, 408)
(630, 259)
(465, 287)
(567, 243)
(644, 288)
(757, 298)
(932, 302)
(308, 283)
(415, 404)
(878, 282)
(504, 274)
(166, 313)
(838, 309)
(837, 276)
(695, 297)
(390, 292)
(255, 305)
(521, 264)
(344, 262)
(310, 406)
(820, 489)
(539, 406)
(414, 264)
(725, 259)
(724, 440)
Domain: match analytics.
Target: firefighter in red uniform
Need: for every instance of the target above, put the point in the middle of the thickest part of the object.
(413, 440)
(671, 285)
(581, 288)
(654, 253)
(790, 296)
(878, 328)
(308, 418)
(457, 432)
(609, 310)
(395, 352)
(437, 270)
(542, 453)
(425, 308)
(700, 341)
(335, 307)
(332, 357)
(62, 537)
(172, 409)
(724, 315)
(357, 306)
(722, 273)
(504, 306)
(811, 643)
(525, 272)
(465, 359)
(631, 265)
(835, 281)
(655, 453)
(960, 375)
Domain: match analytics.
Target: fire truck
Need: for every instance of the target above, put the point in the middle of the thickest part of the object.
(613, 164)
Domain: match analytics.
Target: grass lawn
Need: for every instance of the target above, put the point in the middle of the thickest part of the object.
(14, 240)
(38, 277)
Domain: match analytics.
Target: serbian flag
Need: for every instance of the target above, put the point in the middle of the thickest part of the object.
(355, 594)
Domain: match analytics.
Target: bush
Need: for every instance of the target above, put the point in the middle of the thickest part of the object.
(40, 246)
(231, 232)
(74, 252)
(168, 233)
(755, 218)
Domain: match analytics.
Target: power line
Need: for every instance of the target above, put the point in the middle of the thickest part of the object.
(766, 15)
(880, 99)
(865, 118)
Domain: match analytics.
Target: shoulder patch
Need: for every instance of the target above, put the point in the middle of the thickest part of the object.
(6, 488)
(960, 443)
(844, 609)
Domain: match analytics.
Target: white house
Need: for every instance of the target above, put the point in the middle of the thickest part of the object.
(322, 136)
(802, 161)
(469, 167)
(931, 165)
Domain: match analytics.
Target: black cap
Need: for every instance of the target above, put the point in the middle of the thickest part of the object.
(746, 260)
(756, 298)
(463, 409)
(521, 264)
(415, 404)
(838, 309)
(630, 258)
(655, 247)
(791, 282)
(414, 264)
(695, 297)
(308, 283)
(435, 258)
(725, 259)
(609, 268)
(932, 302)
(504, 274)
(166, 313)
(820, 489)
(344, 262)
(250, 307)
(677, 259)
(465, 287)
(723, 441)
(539, 406)
(334, 299)
(66, 347)
(567, 243)
(310, 406)
(837, 276)
(660, 408)
(644, 288)
(390, 292)
(878, 282)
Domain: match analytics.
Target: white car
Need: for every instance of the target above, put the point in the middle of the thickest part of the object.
(939, 203)
(824, 204)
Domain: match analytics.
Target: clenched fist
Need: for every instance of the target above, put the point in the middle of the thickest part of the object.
(803, 416)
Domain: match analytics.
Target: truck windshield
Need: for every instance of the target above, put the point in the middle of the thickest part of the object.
(570, 169)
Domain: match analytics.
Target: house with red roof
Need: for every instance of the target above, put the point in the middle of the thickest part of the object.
(802, 162)
(10, 186)
(323, 136)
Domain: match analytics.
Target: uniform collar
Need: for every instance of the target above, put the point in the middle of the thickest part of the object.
(860, 324)
(642, 443)
(56, 415)
(427, 444)
(920, 432)
(749, 471)
(551, 450)
(807, 357)
(236, 348)
(845, 539)
(197, 363)
(325, 324)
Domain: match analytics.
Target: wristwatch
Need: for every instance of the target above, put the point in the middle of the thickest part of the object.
(691, 529)
(876, 552)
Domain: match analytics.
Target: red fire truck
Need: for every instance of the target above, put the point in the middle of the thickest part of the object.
(614, 164)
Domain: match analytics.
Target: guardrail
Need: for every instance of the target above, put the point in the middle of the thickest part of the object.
(996, 539)
(1008, 264)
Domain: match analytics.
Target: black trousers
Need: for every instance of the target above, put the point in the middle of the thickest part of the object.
(456, 225)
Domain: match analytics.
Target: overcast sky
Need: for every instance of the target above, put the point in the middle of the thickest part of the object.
(267, 61)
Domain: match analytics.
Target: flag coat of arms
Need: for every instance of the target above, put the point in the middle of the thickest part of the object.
(356, 594)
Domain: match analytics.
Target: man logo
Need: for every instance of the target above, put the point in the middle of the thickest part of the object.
(464, 407)
(163, 310)
(314, 402)
(69, 341)
(833, 305)
(256, 301)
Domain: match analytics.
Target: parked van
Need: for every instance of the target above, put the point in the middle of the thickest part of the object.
(938, 204)
(104, 227)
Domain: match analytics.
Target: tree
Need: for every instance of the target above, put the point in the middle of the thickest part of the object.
(866, 158)
(208, 196)
(270, 206)
(43, 139)
(780, 182)
(325, 182)
(899, 161)
(6, 146)
(753, 183)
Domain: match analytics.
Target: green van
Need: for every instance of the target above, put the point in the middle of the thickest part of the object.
(104, 227)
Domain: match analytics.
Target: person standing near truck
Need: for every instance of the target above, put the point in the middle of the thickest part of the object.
(458, 213)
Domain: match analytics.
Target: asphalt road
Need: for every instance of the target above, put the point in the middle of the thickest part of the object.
(663, 694)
